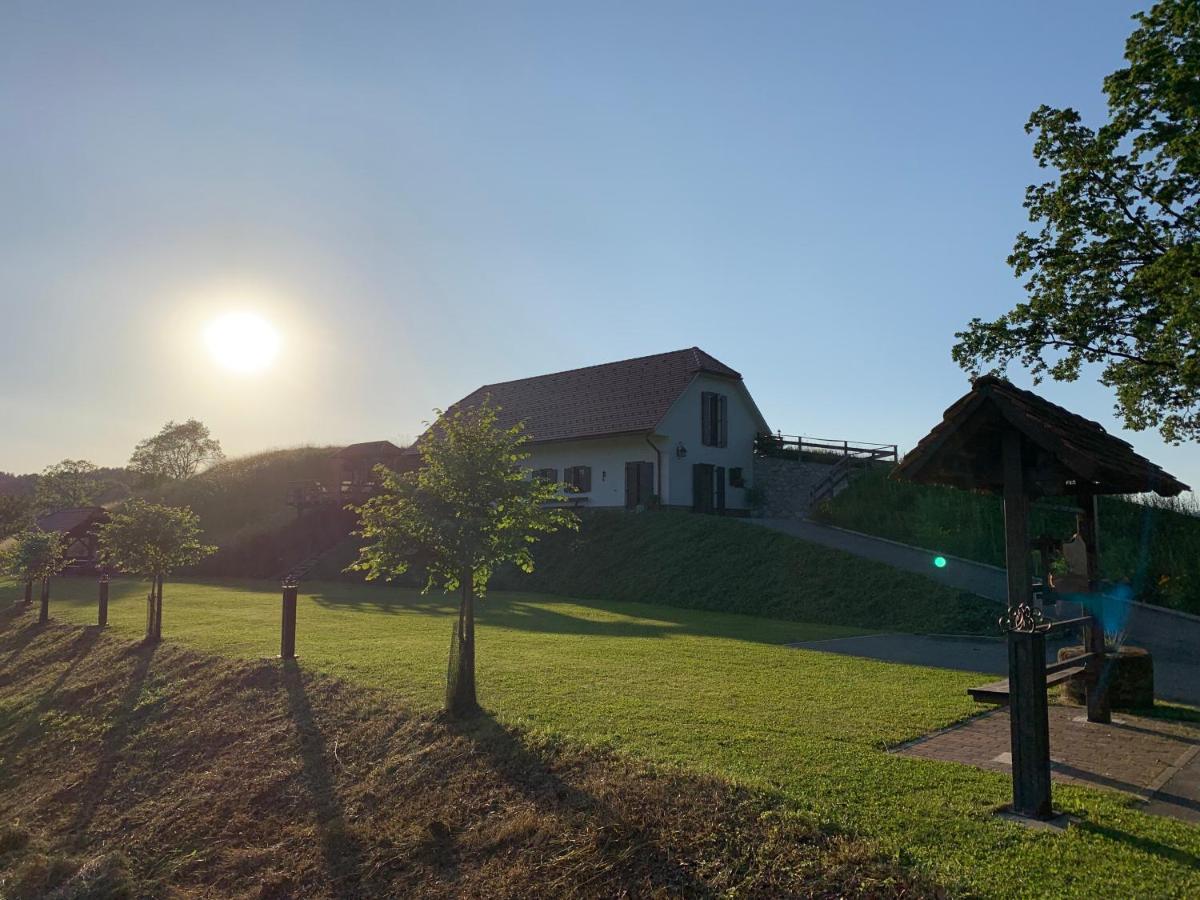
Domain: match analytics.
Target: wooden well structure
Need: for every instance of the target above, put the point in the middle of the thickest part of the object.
(1004, 440)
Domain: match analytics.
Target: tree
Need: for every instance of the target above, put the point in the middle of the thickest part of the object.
(176, 452)
(1113, 270)
(67, 484)
(35, 555)
(151, 541)
(15, 514)
(470, 507)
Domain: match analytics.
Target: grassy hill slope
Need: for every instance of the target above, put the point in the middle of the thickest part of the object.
(1156, 547)
(707, 562)
(152, 772)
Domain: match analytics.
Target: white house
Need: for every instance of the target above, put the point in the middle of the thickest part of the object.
(676, 426)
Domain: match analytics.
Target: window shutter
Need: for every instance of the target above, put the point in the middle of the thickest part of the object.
(586, 478)
(723, 418)
(720, 482)
(706, 418)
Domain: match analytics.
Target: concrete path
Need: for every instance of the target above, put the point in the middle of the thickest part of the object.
(1152, 759)
(962, 574)
(1172, 637)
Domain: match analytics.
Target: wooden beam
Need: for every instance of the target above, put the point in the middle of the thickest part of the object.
(1016, 521)
(1098, 708)
(1030, 728)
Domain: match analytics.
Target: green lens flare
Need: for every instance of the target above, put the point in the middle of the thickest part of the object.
(940, 562)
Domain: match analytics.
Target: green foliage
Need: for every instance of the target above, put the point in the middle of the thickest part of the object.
(470, 507)
(34, 554)
(15, 514)
(1112, 272)
(1153, 544)
(150, 540)
(68, 484)
(709, 562)
(176, 452)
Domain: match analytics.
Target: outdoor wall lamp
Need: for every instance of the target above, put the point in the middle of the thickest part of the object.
(680, 450)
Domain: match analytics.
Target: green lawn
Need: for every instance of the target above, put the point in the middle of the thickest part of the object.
(712, 692)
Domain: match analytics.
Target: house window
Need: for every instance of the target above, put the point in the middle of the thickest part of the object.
(578, 478)
(735, 477)
(549, 475)
(714, 424)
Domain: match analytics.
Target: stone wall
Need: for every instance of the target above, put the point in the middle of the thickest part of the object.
(786, 485)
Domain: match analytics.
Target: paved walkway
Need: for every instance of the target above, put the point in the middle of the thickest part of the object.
(1153, 759)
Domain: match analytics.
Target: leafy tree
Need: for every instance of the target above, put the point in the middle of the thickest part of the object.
(1113, 271)
(35, 555)
(70, 483)
(470, 507)
(175, 453)
(151, 541)
(15, 514)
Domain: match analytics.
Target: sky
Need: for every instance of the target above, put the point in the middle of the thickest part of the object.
(426, 197)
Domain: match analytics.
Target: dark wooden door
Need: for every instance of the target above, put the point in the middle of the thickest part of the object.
(639, 483)
(702, 487)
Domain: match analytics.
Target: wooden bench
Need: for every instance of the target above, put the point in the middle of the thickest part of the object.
(997, 691)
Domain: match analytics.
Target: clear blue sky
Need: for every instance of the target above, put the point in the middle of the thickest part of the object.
(427, 197)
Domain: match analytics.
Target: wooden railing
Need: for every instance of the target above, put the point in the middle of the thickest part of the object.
(794, 446)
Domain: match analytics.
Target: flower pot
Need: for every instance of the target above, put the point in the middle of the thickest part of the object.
(1129, 672)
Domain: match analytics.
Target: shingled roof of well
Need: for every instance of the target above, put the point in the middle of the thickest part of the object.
(1109, 464)
(626, 397)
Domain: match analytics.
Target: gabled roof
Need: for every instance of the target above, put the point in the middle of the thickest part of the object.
(963, 450)
(626, 397)
(368, 450)
(78, 520)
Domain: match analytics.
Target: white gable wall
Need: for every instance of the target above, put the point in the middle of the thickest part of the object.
(682, 424)
(606, 456)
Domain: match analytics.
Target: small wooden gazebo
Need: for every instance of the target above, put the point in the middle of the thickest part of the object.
(1003, 440)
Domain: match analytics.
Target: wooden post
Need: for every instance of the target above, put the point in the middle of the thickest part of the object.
(1029, 722)
(287, 641)
(102, 616)
(1016, 522)
(1030, 730)
(1095, 682)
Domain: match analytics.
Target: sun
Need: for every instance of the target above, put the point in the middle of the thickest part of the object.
(242, 342)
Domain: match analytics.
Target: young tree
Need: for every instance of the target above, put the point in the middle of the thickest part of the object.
(151, 541)
(1113, 273)
(70, 483)
(176, 452)
(35, 555)
(470, 507)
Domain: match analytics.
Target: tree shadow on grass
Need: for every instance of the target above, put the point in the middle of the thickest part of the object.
(630, 849)
(125, 720)
(340, 849)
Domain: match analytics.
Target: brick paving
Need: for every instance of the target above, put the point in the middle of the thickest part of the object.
(1154, 759)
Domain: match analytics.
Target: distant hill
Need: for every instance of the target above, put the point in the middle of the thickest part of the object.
(1154, 544)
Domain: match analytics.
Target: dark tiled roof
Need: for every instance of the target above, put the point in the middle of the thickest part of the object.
(1099, 461)
(368, 449)
(626, 397)
(71, 521)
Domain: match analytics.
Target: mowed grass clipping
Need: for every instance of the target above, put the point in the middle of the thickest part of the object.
(715, 693)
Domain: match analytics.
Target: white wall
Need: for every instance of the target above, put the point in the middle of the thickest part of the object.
(606, 456)
(682, 423)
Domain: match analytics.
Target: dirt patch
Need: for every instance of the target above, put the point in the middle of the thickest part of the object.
(132, 771)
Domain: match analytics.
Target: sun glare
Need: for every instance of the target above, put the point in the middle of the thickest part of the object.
(242, 342)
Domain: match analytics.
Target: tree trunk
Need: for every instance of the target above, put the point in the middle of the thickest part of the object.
(460, 678)
(44, 614)
(150, 610)
(158, 609)
(29, 592)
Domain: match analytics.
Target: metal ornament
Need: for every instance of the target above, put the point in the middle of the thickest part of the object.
(1025, 619)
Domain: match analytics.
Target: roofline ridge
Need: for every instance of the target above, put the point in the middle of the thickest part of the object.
(695, 350)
